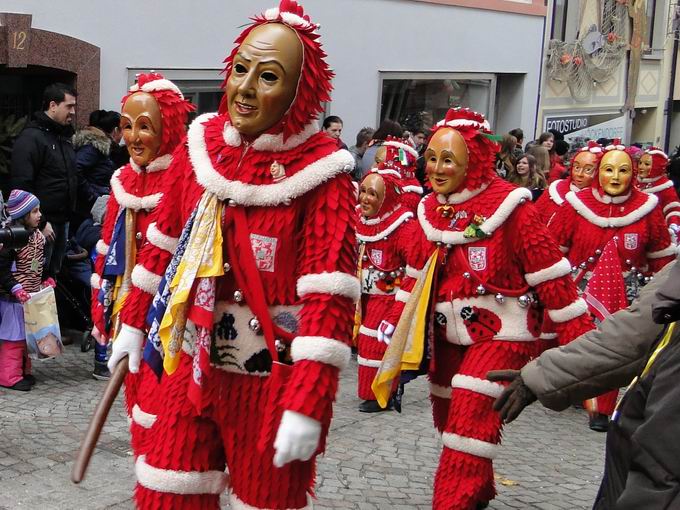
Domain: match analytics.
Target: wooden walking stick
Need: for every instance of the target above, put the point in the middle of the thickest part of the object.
(98, 419)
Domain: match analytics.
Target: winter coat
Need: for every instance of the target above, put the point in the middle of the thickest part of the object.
(602, 359)
(93, 149)
(44, 163)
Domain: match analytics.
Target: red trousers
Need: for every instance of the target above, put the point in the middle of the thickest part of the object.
(371, 351)
(14, 362)
(184, 467)
(604, 404)
(471, 430)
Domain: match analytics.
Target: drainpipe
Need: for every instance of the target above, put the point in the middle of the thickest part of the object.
(669, 102)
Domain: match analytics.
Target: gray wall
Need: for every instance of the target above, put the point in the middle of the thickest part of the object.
(362, 37)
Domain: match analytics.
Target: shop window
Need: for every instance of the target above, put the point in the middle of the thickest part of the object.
(416, 100)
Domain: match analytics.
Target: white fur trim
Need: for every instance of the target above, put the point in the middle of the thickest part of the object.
(554, 195)
(617, 147)
(481, 386)
(548, 336)
(365, 362)
(505, 209)
(363, 330)
(268, 142)
(620, 221)
(160, 240)
(437, 390)
(578, 307)
(130, 201)
(412, 189)
(159, 164)
(143, 418)
(660, 187)
(179, 482)
(336, 283)
(375, 221)
(237, 504)
(647, 180)
(403, 146)
(608, 199)
(386, 171)
(463, 196)
(144, 279)
(402, 296)
(262, 195)
(594, 150)
(381, 235)
(321, 349)
(101, 247)
(95, 281)
(671, 205)
(666, 252)
(470, 445)
(673, 213)
(657, 153)
(156, 85)
(413, 272)
(558, 269)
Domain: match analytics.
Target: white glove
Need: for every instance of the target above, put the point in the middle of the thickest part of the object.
(297, 438)
(128, 343)
(385, 331)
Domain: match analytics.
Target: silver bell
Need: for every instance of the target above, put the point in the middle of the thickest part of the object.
(381, 275)
(500, 298)
(591, 259)
(522, 200)
(138, 236)
(582, 265)
(648, 279)
(598, 252)
(524, 301)
(393, 274)
(481, 290)
(628, 262)
(466, 275)
(226, 267)
(254, 325)
(280, 346)
(238, 296)
(449, 246)
(574, 269)
(633, 269)
(364, 258)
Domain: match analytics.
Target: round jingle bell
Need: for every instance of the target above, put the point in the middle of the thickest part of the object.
(254, 325)
(591, 259)
(628, 262)
(466, 275)
(598, 252)
(524, 300)
(481, 290)
(500, 298)
(582, 265)
(280, 345)
(238, 296)
(393, 274)
(381, 275)
(633, 269)
(574, 269)
(364, 258)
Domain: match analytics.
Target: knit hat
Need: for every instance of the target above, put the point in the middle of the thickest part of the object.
(20, 203)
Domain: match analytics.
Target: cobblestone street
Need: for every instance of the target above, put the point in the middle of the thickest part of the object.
(383, 461)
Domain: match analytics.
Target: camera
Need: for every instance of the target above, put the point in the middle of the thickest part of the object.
(13, 237)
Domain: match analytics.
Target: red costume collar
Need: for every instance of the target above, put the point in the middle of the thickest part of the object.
(558, 189)
(428, 215)
(660, 186)
(637, 206)
(221, 167)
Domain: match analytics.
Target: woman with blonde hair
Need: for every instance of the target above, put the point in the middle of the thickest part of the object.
(542, 157)
(527, 175)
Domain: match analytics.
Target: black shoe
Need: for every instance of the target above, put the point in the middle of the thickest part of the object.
(31, 379)
(372, 406)
(22, 385)
(482, 504)
(101, 371)
(599, 422)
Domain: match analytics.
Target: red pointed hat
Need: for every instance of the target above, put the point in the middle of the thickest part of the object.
(399, 156)
(314, 86)
(660, 162)
(174, 108)
(475, 130)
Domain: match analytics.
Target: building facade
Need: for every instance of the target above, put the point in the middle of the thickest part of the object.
(408, 60)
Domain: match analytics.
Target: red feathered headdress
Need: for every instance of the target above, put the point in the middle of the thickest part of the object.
(474, 129)
(174, 108)
(314, 86)
(399, 156)
(659, 162)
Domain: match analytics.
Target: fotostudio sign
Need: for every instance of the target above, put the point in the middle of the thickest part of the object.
(589, 127)
(566, 125)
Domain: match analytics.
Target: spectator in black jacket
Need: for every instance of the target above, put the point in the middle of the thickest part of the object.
(44, 163)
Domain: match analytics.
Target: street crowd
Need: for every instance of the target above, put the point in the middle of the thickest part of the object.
(257, 243)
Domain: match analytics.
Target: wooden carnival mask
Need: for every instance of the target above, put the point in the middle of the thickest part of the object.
(371, 195)
(644, 166)
(616, 173)
(446, 160)
(264, 78)
(583, 169)
(142, 126)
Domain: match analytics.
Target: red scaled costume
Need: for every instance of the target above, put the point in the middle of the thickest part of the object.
(658, 183)
(381, 267)
(265, 230)
(496, 268)
(549, 204)
(135, 194)
(614, 244)
(400, 156)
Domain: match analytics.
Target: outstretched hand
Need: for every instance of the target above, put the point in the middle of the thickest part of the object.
(515, 397)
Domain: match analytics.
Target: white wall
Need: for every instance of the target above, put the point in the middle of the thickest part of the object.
(362, 37)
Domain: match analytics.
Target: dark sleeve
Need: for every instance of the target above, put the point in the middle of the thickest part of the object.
(26, 159)
(654, 476)
(600, 360)
(7, 280)
(87, 158)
